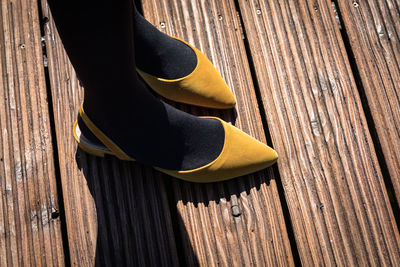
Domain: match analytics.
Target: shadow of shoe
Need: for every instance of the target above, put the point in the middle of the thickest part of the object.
(134, 226)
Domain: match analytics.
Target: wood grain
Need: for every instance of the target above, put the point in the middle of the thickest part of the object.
(30, 232)
(373, 29)
(117, 213)
(333, 185)
(240, 222)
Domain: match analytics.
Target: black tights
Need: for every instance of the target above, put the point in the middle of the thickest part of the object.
(99, 39)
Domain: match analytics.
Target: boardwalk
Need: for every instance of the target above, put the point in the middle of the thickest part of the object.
(317, 80)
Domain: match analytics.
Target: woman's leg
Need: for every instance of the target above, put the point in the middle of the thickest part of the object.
(98, 37)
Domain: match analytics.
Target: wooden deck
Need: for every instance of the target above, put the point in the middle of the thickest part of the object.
(317, 80)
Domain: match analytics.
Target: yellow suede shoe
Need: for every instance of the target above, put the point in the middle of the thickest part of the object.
(204, 86)
(240, 155)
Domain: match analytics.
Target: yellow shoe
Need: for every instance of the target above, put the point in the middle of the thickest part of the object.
(240, 155)
(204, 86)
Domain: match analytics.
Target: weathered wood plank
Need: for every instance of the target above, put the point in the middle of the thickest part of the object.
(373, 29)
(30, 232)
(240, 222)
(117, 212)
(333, 184)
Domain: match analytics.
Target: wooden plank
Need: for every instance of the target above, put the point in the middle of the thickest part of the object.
(239, 222)
(332, 180)
(117, 212)
(30, 228)
(373, 29)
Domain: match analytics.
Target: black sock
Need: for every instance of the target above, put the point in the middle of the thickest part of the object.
(147, 129)
(159, 54)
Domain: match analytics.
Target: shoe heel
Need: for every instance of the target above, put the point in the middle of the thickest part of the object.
(93, 152)
(87, 146)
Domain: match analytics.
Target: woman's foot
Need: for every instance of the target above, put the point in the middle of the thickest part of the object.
(176, 70)
(154, 133)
